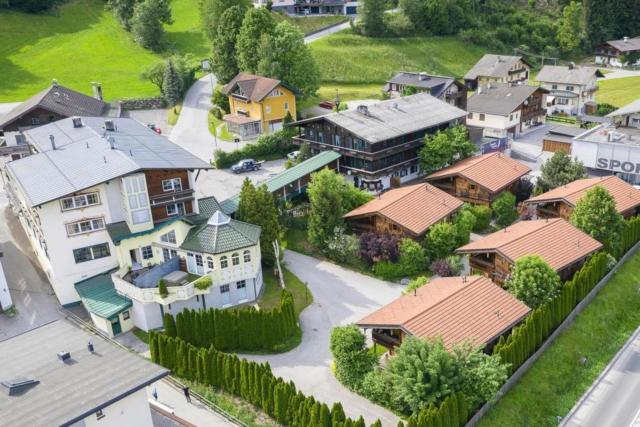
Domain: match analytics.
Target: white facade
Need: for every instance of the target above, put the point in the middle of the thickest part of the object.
(5, 295)
(496, 126)
(570, 98)
(132, 410)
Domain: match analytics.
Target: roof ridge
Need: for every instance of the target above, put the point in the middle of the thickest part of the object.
(402, 196)
(477, 277)
(545, 223)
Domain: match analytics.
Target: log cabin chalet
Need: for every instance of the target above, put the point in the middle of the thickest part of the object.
(480, 180)
(564, 247)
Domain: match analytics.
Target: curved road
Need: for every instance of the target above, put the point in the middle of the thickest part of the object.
(341, 297)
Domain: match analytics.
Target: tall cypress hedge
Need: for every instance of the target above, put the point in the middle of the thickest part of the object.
(452, 412)
(529, 336)
(251, 381)
(241, 329)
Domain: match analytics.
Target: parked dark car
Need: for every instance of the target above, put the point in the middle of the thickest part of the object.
(246, 165)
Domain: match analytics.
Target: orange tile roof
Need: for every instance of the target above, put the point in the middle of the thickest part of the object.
(456, 309)
(555, 241)
(415, 207)
(625, 195)
(493, 171)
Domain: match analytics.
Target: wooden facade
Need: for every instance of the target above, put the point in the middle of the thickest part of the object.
(35, 117)
(160, 199)
(468, 191)
(555, 146)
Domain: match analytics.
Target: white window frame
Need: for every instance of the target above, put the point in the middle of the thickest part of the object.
(167, 254)
(224, 261)
(172, 184)
(80, 201)
(246, 256)
(176, 211)
(235, 258)
(286, 106)
(91, 249)
(169, 237)
(94, 224)
(199, 260)
(137, 198)
(225, 289)
(149, 252)
(211, 265)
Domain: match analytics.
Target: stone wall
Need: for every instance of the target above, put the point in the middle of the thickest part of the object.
(143, 103)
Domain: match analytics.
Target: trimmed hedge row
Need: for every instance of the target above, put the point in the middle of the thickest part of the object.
(243, 328)
(529, 336)
(630, 236)
(251, 381)
(453, 412)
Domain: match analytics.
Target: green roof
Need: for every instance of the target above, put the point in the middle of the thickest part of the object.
(99, 296)
(286, 177)
(119, 231)
(221, 234)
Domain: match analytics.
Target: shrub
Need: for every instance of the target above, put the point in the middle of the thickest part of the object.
(442, 240)
(378, 247)
(274, 144)
(162, 288)
(523, 190)
(483, 217)
(611, 262)
(376, 386)
(341, 247)
(203, 282)
(387, 270)
(350, 354)
(412, 257)
(464, 222)
(504, 207)
(450, 266)
(415, 284)
(221, 100)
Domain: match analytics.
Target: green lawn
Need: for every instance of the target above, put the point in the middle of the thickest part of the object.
(302, 297)
(557, 380)
(80, 44)
(310, 24)
(142, 335)
(619, 92)
(346, 92)
(347, 58)
(184, 35)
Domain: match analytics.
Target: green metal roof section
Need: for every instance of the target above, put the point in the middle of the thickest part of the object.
(286, 177)
(99, 296)
(215, 239)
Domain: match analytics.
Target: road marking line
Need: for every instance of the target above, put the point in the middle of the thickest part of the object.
(636, 420)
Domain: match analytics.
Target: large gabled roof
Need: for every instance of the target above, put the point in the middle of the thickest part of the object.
(554, 240)
(631, 108)
(415, 207)
(493, 171)
(253, 87)
(393, 118)
(567, 75)
(456, 309)
(491, 65)
(626, 196)
(626, 45)
(436, 85)
(89, 155)
(221, 234)
(68, 392)
(500, 98)
(60, 100)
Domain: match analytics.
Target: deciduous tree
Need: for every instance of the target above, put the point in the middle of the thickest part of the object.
(257, 22)
(559, 170)
(445, 148)
(212, 15)
(533, 281)
(596, 215)
(350, 355)
(224, 59)
(147, 22)
(504, 208)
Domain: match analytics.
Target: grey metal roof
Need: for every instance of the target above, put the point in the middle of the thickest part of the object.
(84, 158)
(566, 75)
(394, 117)
(436, 84)
(491, 65)
(628, 45)
(60, 100)
(221, 234)
(632, 108)
(500, 99)
(566, 130)
(68, 392)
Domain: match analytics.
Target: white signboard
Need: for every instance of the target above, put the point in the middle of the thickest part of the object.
(618, 158)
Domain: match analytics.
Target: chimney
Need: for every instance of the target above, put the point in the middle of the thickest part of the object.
(63, 356)
(109, 126)
(423, 76)
(572, 65)
(90, 347)
(97, 90)
(77, 122)
(625, 39)
(53, 141)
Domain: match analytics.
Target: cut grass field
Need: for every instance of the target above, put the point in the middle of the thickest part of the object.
(346, 58)
(557, 380)
(302, 297)
(619, 92)
(311, 24)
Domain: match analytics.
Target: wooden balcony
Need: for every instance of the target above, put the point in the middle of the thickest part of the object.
(382, 337)
(547, 213)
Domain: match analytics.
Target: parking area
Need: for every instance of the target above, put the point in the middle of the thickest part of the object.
(222, 183)
(32, 295)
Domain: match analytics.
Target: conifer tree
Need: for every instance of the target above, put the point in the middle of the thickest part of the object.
(171, 84)
(169, 325)
(337, 413)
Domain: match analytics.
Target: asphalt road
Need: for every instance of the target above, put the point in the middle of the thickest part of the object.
(614, 398)
(341, 297)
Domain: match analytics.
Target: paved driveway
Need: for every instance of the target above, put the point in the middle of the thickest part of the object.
(30, 290)
(340, 297)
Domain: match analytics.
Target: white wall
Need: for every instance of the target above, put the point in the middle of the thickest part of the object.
(133, 410)
(494, 125)
(5, 296)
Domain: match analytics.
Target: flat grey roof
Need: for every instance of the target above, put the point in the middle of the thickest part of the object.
(609, 133)
(70, 391)
(631, 108)
(564, 74)
(84, 158)
(500, 98)
(394, 117)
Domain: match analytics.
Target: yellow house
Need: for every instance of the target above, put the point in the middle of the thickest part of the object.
(257, 104)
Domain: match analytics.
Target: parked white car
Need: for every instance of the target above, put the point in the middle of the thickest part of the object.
(293, 155)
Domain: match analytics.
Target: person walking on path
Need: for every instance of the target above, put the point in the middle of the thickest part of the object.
(186, 394)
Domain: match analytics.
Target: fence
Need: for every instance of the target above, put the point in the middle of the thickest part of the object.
(519, 373)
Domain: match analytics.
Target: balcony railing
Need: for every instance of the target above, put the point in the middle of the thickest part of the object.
(546, 212)
(384, 339)
(148, 295)
(171, 197)
(481, 262)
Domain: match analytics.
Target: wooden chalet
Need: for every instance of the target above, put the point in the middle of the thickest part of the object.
(560, 202)
(479, 180)
(564, 247)
(406, 211)
(456, 309)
